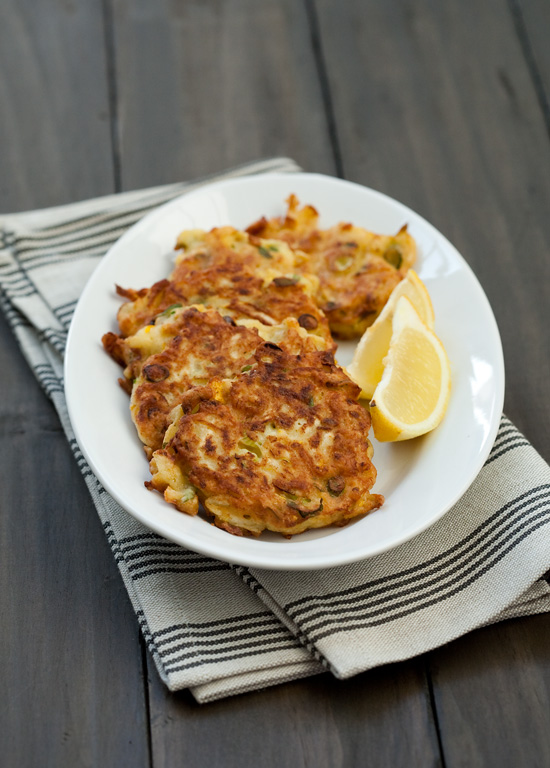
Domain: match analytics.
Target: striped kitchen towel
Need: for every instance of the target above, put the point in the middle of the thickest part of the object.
(219, 629)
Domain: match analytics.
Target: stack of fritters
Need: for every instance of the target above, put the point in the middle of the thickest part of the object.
(230, 369)
(237, 274)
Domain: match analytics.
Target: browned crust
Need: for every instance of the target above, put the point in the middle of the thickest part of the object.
(144, 305)
(115, 347)
(219, 348)
(214, 275)
(314, 469)
(357, 269)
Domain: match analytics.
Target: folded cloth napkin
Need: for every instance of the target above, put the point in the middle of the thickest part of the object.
(219, 629)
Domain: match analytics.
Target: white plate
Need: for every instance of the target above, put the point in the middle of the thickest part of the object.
(421, 479)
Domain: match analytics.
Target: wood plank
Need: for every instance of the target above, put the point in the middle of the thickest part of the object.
(378, 718)
(70, 655)
(206, 85)
(70, 659)
(441, 112)
(492, 691)
(54, 132)
(461, 140)
(202, 86)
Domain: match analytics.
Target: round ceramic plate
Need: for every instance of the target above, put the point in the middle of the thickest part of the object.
(421, 479)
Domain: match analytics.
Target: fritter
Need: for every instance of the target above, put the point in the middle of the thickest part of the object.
(357, 269)
(236, 273)
(205, 345)
(282, 446)
(132, 351)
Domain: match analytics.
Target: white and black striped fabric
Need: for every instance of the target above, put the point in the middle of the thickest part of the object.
(221, 630)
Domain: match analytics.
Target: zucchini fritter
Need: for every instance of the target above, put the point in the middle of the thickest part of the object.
(357, 269)
(236, 273)
(203, 345)
(282, 446)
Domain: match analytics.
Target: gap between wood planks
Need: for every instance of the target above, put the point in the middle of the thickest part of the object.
(320, 62)
(530, 60)
(110, 66)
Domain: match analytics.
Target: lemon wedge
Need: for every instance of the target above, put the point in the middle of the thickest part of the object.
(413, 393)
(367, 365)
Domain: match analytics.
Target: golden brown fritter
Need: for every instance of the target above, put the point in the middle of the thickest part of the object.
(283, 446)
(203, 345)
(132, 351)
(199, 250)
(357, 269)
(236, 273)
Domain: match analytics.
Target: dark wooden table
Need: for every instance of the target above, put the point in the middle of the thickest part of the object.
(442, 105)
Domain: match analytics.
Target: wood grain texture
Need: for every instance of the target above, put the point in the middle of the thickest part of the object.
(54, 132)
(381, 718)
(436, 106)
(206, 85)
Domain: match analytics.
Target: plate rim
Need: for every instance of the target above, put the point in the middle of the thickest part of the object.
(278, 563)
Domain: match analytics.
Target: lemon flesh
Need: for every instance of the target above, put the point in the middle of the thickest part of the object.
(413, 393)
(367, 366)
